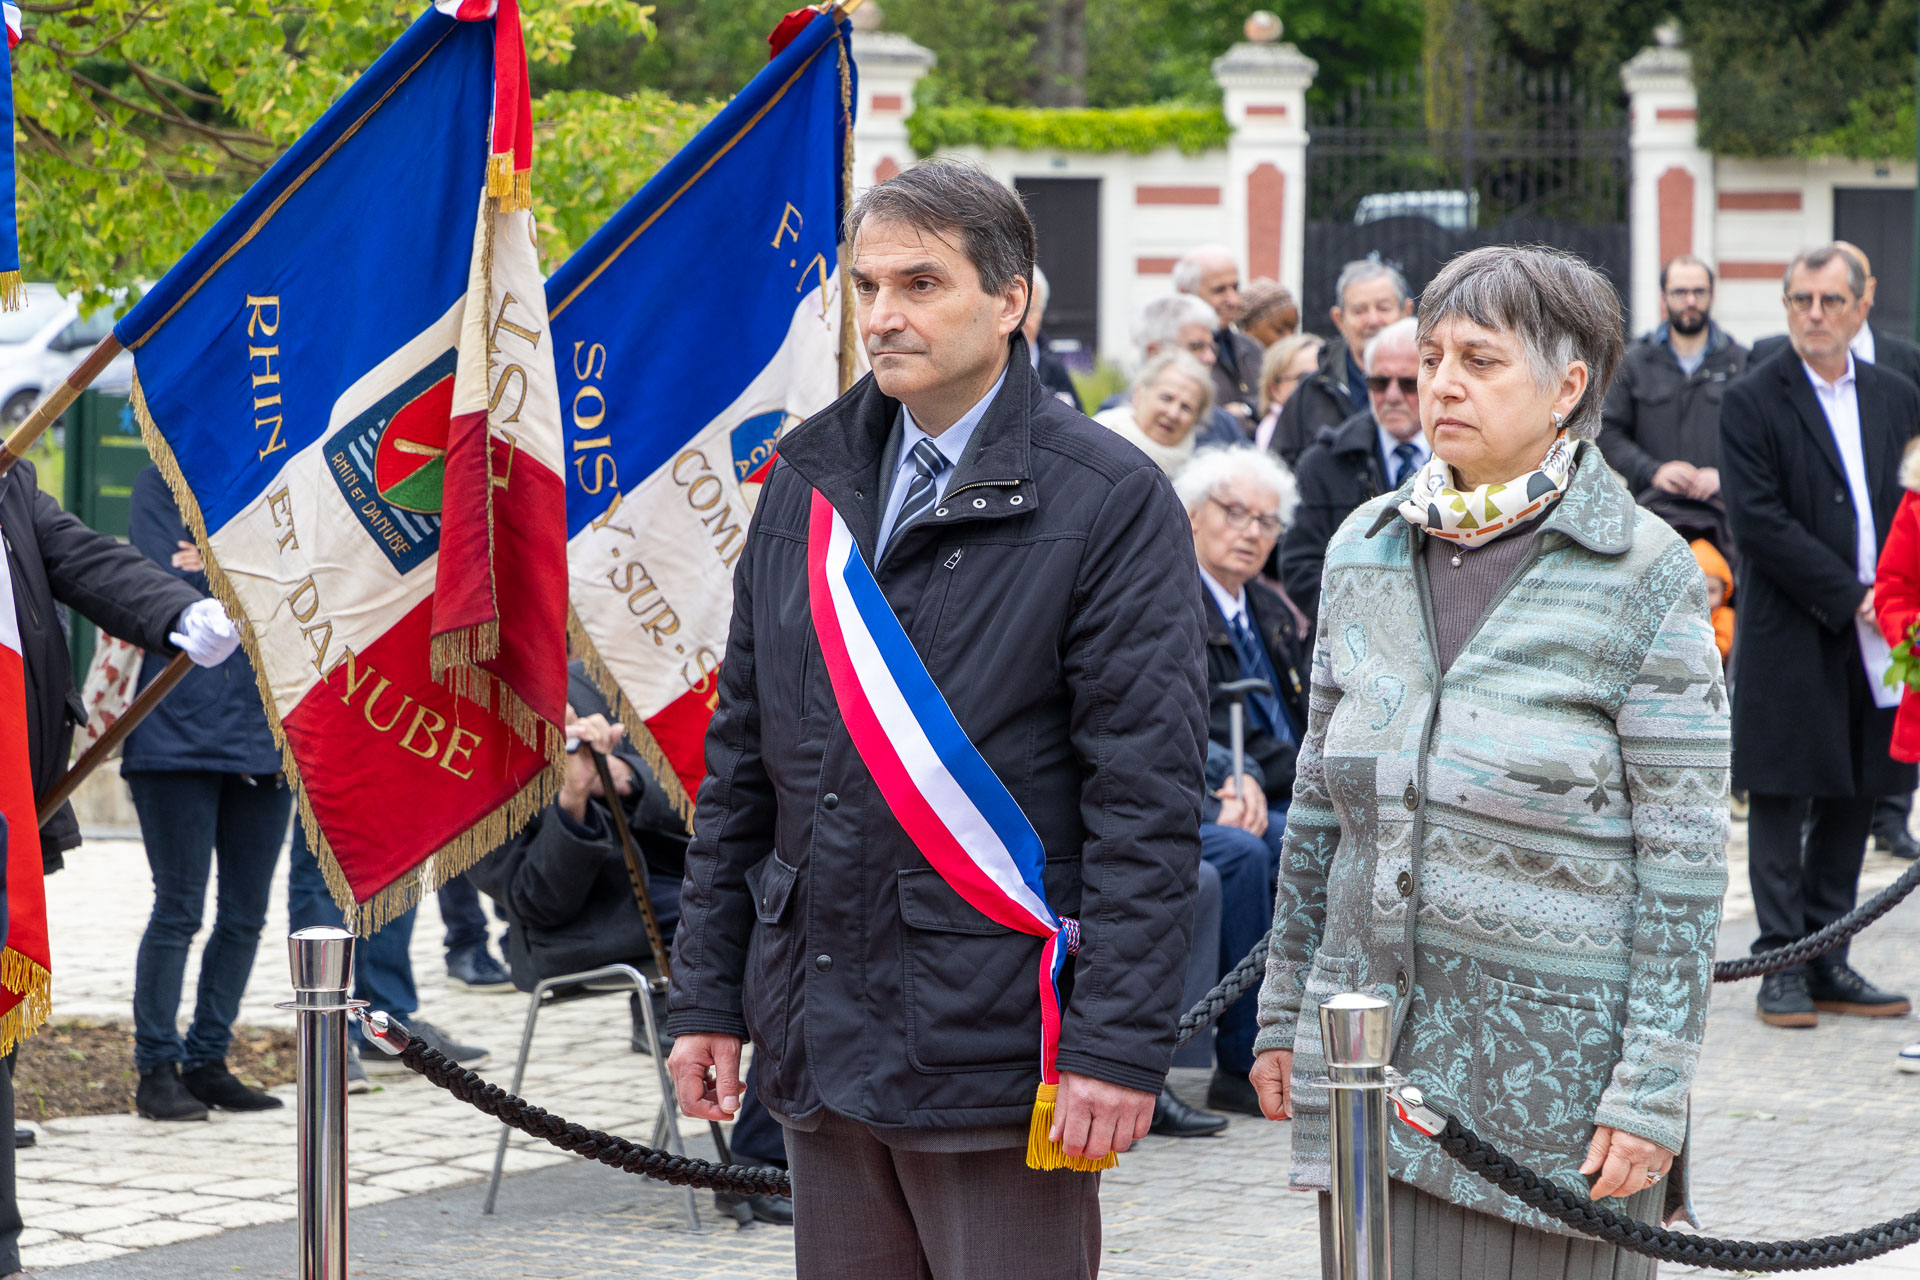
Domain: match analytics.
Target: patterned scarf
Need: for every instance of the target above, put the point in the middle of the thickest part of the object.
(1485, 513)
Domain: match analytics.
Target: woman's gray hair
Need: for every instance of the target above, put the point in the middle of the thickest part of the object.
(1559, 307)
(1186, 366)
(946, 196)
(1217, 465)
(1161, 320)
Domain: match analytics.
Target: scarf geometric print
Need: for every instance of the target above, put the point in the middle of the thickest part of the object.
(1485, 513)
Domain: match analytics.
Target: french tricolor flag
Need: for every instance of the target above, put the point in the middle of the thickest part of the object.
(26, 965)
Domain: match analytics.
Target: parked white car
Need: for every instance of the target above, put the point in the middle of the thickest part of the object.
(42, 342)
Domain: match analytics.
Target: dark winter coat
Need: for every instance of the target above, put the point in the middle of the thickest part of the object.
(1796, 648)
(54, 557)
(1335, 476)
(1321, 402)
(1055, 375)
(1236, 371)
(213, 719)
(563, 885)
(1051, 594)
(1655, 413)
(1894, 354)
(1273, 623)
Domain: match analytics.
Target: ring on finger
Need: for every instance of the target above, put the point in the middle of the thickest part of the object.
(1654, 1176)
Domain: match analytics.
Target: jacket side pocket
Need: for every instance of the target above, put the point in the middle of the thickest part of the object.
(969, 985)
(767, 993)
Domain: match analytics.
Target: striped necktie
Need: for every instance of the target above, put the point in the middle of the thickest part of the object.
(1406, 461)
(928, 462)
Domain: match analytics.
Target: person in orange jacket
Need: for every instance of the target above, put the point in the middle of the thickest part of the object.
(1719, 593)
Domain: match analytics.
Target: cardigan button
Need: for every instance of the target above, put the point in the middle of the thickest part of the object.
(1412, 797)
(830, 801)
(1400, 983)
(823, 963)
(1404, 882)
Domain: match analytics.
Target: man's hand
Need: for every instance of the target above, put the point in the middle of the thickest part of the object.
(1865, 608)
(1090, 1117)
(1271, 1071)
(187, 558)
(1675, 477)
(582, 779)
(1623, 1161)
(1246, 807)
(705, 1070)
(1706, 483)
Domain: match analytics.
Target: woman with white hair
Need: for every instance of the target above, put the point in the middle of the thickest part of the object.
(1171, 394)
(1510, 818)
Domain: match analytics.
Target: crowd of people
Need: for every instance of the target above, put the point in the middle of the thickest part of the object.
(1473, 749)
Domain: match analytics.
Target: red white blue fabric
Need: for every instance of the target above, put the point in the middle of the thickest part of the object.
(14, 30)
(938, 786)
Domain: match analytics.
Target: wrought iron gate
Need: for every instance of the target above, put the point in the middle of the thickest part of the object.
(1420, 168)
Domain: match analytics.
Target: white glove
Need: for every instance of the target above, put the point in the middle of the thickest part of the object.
(205, 634)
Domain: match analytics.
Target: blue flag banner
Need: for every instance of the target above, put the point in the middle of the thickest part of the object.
(705, 318)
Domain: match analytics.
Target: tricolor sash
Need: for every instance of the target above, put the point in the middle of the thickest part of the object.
(938, 786)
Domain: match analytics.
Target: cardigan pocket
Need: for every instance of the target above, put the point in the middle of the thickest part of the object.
(1542, 1060)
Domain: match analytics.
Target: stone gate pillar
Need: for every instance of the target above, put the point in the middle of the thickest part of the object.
(890, 66)
(1264, 194)
(1671, 207)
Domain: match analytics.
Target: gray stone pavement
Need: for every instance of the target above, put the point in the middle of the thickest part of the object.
(1795, 1134)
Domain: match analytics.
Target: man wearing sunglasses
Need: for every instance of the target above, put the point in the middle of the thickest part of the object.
(1660, 427)
(1371, 453)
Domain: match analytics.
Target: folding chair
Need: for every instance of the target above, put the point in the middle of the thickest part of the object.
(610, 978)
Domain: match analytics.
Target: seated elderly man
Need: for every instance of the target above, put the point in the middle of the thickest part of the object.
(562, 885)
(1371, 453)
(1182, 323)
(1238, 500)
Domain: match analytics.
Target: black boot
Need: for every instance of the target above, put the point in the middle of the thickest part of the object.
(161, 1096)
(216, 1086)
(1173, 1118)
(1784, 1002)
(1837, 987)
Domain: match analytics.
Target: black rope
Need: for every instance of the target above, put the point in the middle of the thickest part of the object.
(1823, 941)
(631, 1157)
(1244, 975)
(1589, 1219)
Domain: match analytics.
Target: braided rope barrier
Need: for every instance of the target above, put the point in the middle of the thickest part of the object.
(1824, 940)
(1589, 1219)
(619, 1153)
(1246, 974)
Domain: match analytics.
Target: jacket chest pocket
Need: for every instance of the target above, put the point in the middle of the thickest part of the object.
(1541, 1061)
(767, 993)
(969, 986)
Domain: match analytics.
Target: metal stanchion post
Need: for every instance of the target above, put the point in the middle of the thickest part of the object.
(1356, 1030)
(322, 964)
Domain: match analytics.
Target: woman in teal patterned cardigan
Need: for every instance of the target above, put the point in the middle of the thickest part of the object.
(1510, 816)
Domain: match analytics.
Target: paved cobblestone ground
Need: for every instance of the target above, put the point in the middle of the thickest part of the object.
(1796, 1133)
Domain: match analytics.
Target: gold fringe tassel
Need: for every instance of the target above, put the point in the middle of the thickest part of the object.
(849, 354)
(448, 861)
(31, 981)
(1043, 1152)
(638, 735)
(500, 175)
(13, 291)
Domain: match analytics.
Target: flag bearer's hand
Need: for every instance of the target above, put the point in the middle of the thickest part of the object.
(582, 780)
(205, 634)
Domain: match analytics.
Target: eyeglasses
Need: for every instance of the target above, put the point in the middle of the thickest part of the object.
(1687, 294)
(1238, 516)
(1409, 387)
(1803, 302)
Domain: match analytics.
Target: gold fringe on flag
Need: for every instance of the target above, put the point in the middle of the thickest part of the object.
(28, 979)
(849, 335)
(445, 863)
(638, 735)
(500, 174)
(1043, 1152)
(13, 291)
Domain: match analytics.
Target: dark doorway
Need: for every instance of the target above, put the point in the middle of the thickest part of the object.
(1880, 221)
(1066, 218)
(1422, 166)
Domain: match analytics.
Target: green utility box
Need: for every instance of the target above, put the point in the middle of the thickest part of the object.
(104, 454)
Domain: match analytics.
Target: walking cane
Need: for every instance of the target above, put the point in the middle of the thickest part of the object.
(637, 877)
(1237, 722)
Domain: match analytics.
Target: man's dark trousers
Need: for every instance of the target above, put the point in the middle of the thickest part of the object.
(864, 1209)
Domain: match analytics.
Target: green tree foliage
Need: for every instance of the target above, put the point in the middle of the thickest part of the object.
(1138, 129)
(139, 123)
(1807, 76)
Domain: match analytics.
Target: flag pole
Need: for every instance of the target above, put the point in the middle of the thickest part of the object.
(56, 401)
(94, 756)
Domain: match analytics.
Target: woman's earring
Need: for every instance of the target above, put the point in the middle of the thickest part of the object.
(1557, 420)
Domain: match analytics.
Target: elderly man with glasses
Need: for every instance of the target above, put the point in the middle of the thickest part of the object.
(1660, 427)
(1238, 500)
(1810, 446)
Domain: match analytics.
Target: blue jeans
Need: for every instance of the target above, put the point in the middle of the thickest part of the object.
(189, 820)
(1246, 911)
(382, 967)
(461, 912)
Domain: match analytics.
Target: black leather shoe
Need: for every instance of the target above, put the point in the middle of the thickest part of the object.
(1903, 846)
(1228, 1091)
(1784, 1001)
(216, 1086)
(1173, 1118)
(1836, 987)
(744, 1207)
(161, 1096)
